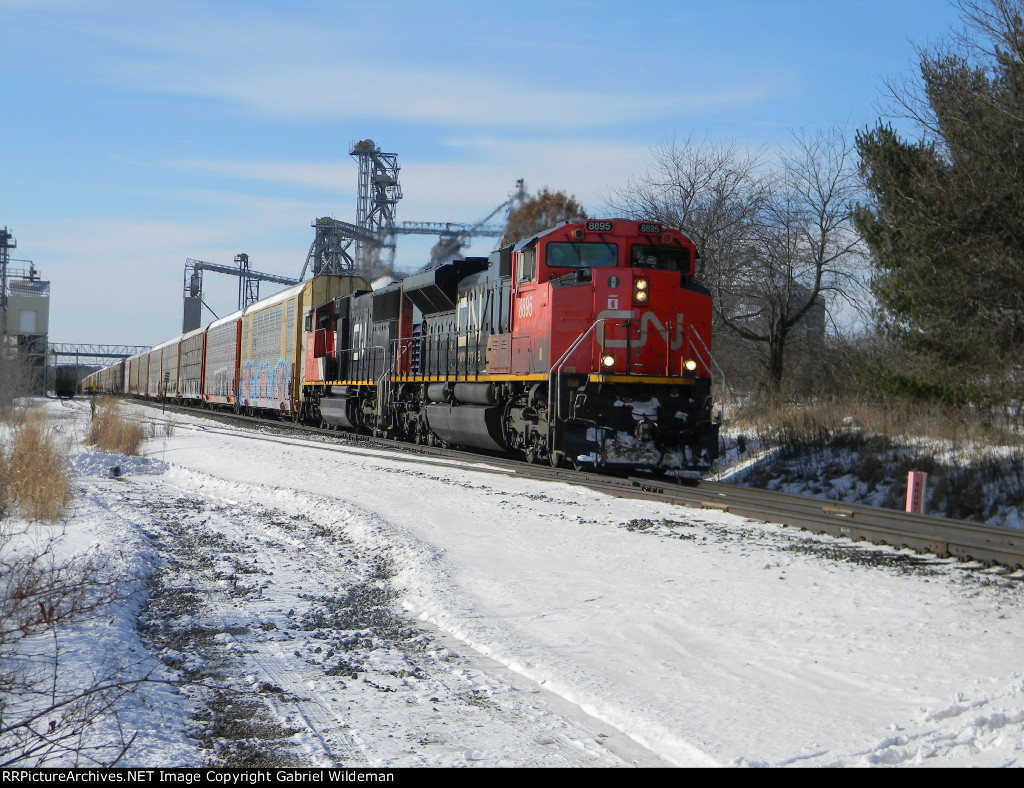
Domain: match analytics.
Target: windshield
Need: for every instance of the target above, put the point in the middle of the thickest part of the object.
(599, 255)
(664, 258)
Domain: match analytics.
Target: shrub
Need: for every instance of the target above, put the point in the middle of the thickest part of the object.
(112, 432)
(46, 710)
(33, 475)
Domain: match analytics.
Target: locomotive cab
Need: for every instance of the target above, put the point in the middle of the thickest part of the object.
(610, 313)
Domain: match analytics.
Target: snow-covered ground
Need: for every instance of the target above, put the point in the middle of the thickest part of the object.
(317, 603)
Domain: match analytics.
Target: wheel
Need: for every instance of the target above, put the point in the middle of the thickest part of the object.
(555, 459)
(531, 455)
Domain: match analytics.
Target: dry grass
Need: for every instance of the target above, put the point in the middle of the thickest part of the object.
(975, 467)
(825, 421)
(33, 475)
(111, 432)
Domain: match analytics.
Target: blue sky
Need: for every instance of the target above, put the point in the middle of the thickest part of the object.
(137, 134)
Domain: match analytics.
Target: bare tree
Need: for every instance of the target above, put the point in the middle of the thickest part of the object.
(775, 241)
(800, 258)
(990, 36)
(711, 191)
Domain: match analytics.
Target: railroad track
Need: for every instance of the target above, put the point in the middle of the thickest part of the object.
(924, 533)
(927, 534)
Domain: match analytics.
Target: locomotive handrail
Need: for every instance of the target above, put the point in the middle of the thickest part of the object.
(396, 353)
(384, 373)
(379, 402)
(693, 334)
(448, 343)
(556, 370)
(337, 353)
(401, 346)
(721, 372)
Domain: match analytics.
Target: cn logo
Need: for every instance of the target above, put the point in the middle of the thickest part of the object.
(647, 324)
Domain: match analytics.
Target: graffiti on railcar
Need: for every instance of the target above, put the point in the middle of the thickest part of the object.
(263, 386)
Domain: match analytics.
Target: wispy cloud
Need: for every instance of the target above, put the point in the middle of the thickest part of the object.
(131, 271)
(482, 174)
(326, 176)
(586, 168)
(276, 66)
(446, 97)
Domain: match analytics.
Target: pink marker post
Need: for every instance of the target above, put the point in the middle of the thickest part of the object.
(916, 481)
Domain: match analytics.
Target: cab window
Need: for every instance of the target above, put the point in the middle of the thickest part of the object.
(663, 258)
(527, 264)
(585, 255)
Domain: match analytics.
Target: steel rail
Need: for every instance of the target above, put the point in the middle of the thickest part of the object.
(926, 533)
(968, 541)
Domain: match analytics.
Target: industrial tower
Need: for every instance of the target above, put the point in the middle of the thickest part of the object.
(377, 195)
(7, 243)
(375, 229)
(24, 314)
(248, 286)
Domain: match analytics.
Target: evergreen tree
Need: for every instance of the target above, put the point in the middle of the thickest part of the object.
(945, 222)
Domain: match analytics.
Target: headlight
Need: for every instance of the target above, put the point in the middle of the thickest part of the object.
(690, 364)
(607, 361)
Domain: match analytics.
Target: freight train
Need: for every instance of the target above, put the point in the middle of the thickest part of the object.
(65, 380)
(587, 345)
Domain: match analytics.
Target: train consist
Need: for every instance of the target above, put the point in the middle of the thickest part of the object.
(587, 345)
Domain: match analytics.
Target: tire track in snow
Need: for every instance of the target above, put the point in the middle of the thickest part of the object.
(260, 579)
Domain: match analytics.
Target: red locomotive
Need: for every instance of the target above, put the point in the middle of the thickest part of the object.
(586, 345)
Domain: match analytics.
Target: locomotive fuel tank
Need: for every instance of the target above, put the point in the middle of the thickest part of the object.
(472, 426)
